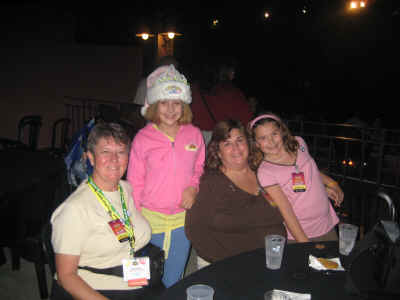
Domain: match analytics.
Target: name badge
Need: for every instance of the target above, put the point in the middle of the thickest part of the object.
(119, 230)
(298, 182)
(136, 270)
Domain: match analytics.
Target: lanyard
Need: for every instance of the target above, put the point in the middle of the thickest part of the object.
(113, 212)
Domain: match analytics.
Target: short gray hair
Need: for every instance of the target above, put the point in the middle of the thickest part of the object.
(107, 130)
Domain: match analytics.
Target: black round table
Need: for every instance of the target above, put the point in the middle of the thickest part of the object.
(245, 276)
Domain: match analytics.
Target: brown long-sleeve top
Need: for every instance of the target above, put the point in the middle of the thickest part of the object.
(225, 220)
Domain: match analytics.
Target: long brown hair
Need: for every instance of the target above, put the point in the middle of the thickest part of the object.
(289, 141)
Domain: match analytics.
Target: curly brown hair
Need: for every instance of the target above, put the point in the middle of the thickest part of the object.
(221, 133)
(289, 141)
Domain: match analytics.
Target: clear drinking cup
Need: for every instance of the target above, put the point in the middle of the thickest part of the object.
(274, 245)
(200, 292)
(347, 237)
(276, 295)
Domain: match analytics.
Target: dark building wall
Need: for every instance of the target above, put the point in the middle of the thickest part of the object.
(41, 64)
(35, 80)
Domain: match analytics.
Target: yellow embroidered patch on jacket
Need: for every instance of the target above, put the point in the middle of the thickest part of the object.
(191, 147)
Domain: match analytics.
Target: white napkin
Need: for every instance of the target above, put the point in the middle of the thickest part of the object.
(314, 263)
(285, 295)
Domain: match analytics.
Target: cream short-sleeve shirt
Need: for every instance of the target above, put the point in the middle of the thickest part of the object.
(80, 227)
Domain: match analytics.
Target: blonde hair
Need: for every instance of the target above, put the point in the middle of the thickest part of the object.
(153, 116)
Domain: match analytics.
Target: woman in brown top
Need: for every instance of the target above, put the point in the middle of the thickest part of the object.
(230, 215)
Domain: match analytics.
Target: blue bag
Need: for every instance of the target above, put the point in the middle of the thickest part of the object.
(78, 167)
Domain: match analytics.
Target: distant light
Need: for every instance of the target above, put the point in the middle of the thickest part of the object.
(171, 35)
(357, 4)
(304, 11)
(353, 4)
(144, 35)
(266, 15)
(351, 163)
(215, 22)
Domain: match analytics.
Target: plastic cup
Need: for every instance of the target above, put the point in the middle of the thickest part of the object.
(274, 245)
(200, 292)
(347, 237)
(276, 295)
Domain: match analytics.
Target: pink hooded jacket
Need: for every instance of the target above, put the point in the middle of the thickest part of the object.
(159, 170)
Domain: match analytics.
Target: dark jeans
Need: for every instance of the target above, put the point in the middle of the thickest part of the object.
(58, 293)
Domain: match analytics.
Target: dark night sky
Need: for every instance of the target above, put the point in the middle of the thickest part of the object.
(326, 61)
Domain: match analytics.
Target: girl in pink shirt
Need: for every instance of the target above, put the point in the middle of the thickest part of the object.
(165, 165)
(291, 178)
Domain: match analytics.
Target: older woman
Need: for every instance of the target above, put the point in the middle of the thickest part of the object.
(98, 225)
(230, 214)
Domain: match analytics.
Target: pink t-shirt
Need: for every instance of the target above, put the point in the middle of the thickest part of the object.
(312, 207)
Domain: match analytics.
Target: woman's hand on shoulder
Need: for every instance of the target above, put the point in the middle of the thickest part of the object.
(188, 197)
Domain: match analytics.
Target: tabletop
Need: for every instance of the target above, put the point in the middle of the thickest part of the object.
(245, 276)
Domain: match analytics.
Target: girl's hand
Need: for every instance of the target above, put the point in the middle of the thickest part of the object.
(335, 193)
(188, 197)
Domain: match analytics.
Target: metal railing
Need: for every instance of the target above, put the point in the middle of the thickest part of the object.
(80, 110)
(365, 161)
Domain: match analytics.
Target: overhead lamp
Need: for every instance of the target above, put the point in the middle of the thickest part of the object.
(357, 4)
(353, 4)
(170, 34)
(145, 35)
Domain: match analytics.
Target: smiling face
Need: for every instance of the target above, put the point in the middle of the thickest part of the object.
(109, 160)
(169, 112)
(269, 139)
(234, 151)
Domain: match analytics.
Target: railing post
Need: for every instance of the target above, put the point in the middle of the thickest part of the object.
(380, 158)
(331, 155)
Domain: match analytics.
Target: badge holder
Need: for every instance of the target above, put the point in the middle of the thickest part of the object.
(298, 182)
(136, 271)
